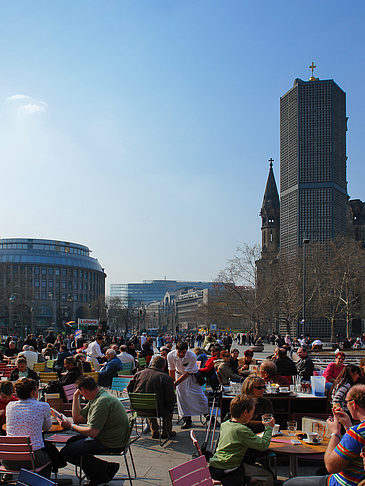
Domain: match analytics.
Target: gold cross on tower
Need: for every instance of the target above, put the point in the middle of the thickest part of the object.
(312, 67)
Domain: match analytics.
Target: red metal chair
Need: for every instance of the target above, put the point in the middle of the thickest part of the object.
(191, 473)
(18, 449)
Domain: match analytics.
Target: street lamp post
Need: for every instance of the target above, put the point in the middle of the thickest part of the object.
(305, 243)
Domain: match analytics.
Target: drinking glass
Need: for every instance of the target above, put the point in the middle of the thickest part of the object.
(292, 426)
(266, 417)
(320, 429)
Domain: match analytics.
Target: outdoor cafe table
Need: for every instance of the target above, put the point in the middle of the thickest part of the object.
(281, 444)
(287, 405)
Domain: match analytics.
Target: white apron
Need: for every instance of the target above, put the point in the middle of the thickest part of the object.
(191, 399)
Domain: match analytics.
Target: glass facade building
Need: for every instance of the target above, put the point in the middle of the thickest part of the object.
(313, 186)
(46, 283)
(135, 294)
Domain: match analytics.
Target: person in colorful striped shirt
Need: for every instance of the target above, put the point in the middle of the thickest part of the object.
(342, 458)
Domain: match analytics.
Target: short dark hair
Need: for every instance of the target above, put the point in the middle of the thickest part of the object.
(282, 353)
(6, 387)
(181, 346)
(86, 382)
(235, 351)
(357, 394)
(24, 387)
(239, 404)
(21, 359)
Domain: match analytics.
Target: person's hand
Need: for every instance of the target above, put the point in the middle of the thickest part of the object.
(271, 423)
(342, 417)
(334, 427)
(77, 393)
(65, 424)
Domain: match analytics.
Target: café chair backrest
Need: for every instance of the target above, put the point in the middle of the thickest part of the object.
(29, 478)
(190, 473)
(46, 377)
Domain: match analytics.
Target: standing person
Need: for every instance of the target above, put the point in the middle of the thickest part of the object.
(105, 429)
(50, 338)
(93, 352)
(40, 343)
(342, 458)
(191, 399)
(227, 341)
(159, 341)
(227, 465)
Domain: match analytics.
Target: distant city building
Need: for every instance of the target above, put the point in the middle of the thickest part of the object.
(46, 283)
(135, 294)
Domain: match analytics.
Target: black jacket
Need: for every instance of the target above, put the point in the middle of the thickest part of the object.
(285, 366)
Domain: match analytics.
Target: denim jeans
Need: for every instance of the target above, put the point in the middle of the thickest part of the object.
(307, 481)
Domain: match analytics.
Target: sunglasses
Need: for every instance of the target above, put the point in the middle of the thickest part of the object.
(260, 387)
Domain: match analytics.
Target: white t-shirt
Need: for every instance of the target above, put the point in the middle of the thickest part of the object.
(125, 357)
(94, 351)
(182, 365)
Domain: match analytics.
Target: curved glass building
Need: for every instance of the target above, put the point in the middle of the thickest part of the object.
(46, 283)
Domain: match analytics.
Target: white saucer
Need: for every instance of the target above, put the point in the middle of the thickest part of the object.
(312, 443)
(279, 433)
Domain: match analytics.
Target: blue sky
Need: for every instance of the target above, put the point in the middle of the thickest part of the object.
(142, 129)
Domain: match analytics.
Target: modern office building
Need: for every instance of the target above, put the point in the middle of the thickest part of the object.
(136, 294)
(313, 188)
(46, 283)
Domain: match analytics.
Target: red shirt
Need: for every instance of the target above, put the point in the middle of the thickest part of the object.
(3, 411)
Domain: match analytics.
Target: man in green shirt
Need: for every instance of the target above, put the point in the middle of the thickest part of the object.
(235, 438)
(105, 430)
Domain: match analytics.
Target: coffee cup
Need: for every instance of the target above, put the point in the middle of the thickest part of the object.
(276, 429)
(283, 389)
(313, 438)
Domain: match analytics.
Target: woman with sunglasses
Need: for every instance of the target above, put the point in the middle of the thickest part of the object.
(254, 387)
(334, 369)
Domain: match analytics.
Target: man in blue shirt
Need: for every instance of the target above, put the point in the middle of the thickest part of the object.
(110, 369)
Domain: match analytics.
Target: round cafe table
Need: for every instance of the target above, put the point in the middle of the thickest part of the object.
(53, 428)
(280, 444)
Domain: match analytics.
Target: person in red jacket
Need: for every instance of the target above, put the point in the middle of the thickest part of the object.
(209, 371)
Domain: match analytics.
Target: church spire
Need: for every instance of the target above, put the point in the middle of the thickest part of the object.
(270, 215)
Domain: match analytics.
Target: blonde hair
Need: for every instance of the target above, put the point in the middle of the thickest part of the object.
(250, 382)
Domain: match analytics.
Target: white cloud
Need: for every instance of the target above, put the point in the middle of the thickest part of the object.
(18, 97)
(26, 105)
(31, 108)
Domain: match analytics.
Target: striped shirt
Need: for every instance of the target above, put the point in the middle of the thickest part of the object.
(349, 449)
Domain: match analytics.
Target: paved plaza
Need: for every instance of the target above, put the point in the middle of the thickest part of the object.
(153, 461)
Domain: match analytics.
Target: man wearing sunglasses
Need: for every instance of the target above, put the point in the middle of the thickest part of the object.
(342, 458)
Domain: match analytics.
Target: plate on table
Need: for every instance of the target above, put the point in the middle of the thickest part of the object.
(312, 443)
(277, 434)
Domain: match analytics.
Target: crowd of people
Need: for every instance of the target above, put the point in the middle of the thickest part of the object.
(176, 368)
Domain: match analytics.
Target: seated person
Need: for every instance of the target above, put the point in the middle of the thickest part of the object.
(269, 373)
(50, 352)
(64, 352)
(254, 387)
(208, 371)
(146, 352)
(334, 369)
(284, 365)
(11, 351)
(246, 361)
(105, 429)
(6, 396)
(125, 357)
(29, 417)
(85, 365)
(154, 380)
(224, 369)
(22, 371)
(200, 356)
(73, 371)
(110, 368)
(233, 362)
(30, 355)
(235, 438)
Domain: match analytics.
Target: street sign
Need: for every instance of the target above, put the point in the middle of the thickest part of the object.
(86, 323)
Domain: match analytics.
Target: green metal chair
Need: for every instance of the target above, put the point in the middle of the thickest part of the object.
(142, 363)
(145, 406)
(123, 453)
